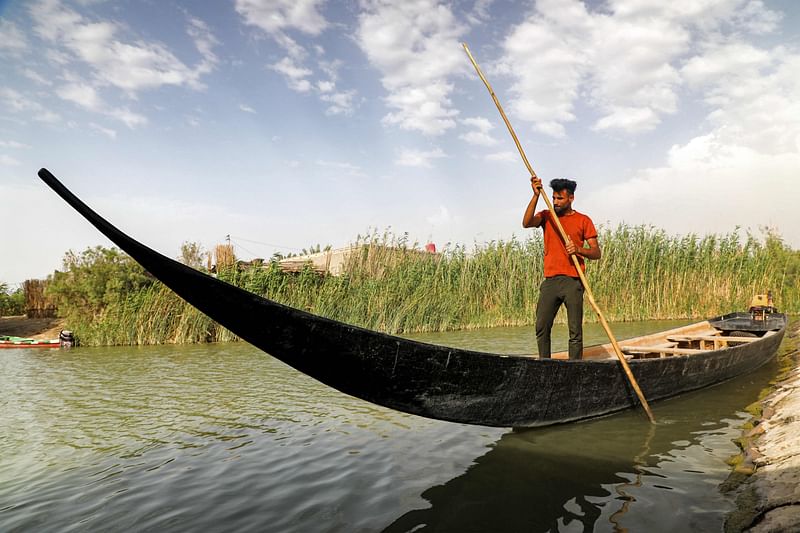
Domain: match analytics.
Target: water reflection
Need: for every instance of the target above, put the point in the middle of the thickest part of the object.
(616, 473)
(225, 438)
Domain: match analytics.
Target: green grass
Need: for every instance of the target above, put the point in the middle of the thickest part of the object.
(391, 286)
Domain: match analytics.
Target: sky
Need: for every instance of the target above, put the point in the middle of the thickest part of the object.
(289, 123)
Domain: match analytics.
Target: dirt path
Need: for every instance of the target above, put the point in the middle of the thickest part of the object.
(34, 328)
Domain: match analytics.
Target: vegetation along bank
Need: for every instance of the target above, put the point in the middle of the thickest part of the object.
(388, 285)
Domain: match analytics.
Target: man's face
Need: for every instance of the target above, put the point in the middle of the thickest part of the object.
(562, 201)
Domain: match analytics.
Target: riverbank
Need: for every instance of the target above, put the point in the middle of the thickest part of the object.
(391, 287)
(32, 328)
(769, 499)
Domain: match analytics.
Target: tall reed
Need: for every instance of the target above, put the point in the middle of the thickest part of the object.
(391, 285)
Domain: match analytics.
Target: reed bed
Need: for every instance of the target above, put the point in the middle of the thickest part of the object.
(391, 285)
(37, 304)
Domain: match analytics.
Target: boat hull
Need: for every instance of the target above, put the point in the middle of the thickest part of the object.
(429, 380)
(29, 344)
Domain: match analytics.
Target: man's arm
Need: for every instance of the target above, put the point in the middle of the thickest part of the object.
(530, 219)
(592, 252)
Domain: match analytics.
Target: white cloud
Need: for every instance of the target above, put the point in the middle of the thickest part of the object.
(716, 186)
(739, 59)
(415, 46)
(341, 103)
(755, 17)
(441, 218)
(276, 19)
(708, 16)
(480, 12)
(276, 16)
(330, 68)
(622, 60)
(13, 144)
(480, 131)
(744, 170)
(20, 103)
(205, 42)
(17, 101)
(504, 157)
(11, 37)
(546, 57)
(632, 80)
(629, 119)
(86, 96)
(126, 116)
(246, 108)
(9, 161)
(409, 157)
(345, 168)
(129, 66)
(753, 94)
(57, 57)
(47, 116)
(81, 94)
(35, 76)
(296, 76)
(108, 132)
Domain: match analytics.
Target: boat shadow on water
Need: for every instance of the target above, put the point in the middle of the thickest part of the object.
(588, 476)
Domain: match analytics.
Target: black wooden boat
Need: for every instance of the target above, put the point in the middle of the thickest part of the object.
(462, 385)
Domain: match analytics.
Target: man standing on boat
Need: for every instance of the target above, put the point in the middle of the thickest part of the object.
(561, 284)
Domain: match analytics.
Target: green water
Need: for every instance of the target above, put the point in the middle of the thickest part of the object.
(226, 438)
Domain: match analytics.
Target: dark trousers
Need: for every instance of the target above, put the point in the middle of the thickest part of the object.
(552, 293)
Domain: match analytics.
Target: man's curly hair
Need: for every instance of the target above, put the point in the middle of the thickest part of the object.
(563, 184)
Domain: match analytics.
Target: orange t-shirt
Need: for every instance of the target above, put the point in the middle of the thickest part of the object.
(579, 227)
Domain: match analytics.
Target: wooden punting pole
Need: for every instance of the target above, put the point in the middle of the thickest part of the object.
(561, 231)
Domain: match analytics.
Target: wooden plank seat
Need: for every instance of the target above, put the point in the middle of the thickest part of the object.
(631, 350)
(682, 338)
(663, 350)
(711, 342)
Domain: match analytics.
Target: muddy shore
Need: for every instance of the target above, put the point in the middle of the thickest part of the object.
(33, 328)
(768, 497)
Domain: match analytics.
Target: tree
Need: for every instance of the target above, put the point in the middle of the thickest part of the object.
(12, 302)
(192, 255)
(96, 278)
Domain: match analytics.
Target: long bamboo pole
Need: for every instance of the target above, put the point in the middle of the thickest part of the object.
(564, 236)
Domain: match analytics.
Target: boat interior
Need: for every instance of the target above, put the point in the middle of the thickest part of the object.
(686, 340)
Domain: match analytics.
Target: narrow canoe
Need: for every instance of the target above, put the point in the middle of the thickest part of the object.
(454, 384)
(20, 342)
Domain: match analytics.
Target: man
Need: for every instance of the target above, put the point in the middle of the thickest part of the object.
(561, 281)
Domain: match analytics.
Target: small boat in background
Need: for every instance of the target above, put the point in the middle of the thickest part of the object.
(21, 342)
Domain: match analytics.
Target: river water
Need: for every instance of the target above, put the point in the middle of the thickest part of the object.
(225, 438)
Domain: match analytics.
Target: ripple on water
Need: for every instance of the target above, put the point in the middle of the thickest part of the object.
(227, 438)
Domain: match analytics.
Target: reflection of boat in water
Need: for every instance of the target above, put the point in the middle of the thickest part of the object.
(600, 475)
(449, 383)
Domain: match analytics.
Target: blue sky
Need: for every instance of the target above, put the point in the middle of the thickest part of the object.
(287, 123)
